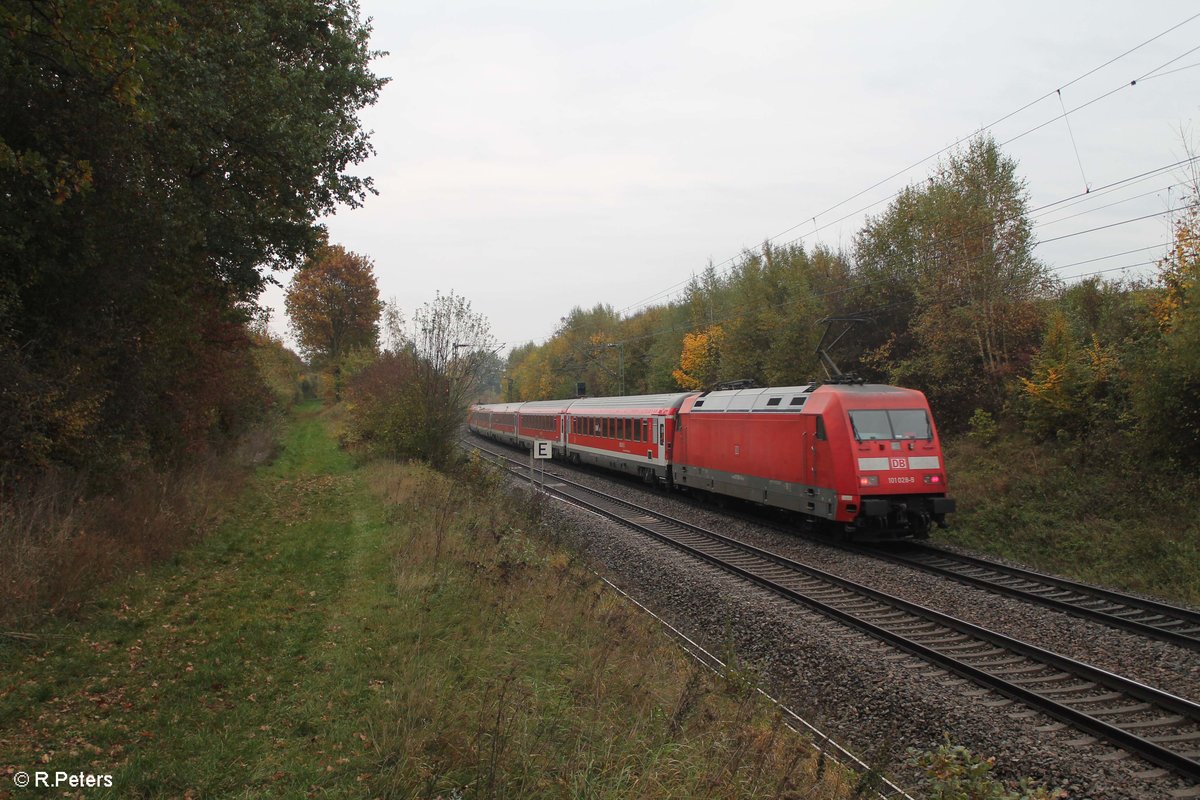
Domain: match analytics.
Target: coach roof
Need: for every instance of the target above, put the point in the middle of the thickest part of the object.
(649, 403)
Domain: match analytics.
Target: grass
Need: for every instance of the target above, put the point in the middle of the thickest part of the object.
(1089, 513)
(379, 630)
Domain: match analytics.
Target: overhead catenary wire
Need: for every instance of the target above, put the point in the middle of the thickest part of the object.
(745, 310)
(1156, 72)
(1034, 213)
(748, 309)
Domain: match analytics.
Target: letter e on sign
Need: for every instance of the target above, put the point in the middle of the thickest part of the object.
(543, 449)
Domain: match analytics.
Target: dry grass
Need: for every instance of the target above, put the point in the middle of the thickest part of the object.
(1097, 514)
(383, 631)
(61, 542)
(523, 676)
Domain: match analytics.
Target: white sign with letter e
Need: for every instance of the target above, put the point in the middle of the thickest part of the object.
(543, 448)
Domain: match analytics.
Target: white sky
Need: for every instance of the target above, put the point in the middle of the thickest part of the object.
(535, 156)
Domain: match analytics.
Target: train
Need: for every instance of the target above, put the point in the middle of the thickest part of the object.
(863, 460)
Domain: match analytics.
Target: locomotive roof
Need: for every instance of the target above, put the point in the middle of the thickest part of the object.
(777, 399)
(782, 399)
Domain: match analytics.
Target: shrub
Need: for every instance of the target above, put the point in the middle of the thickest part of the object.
(953, 772)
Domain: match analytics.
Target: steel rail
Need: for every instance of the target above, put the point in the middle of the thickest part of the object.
(1150, 618)
(1151, 748)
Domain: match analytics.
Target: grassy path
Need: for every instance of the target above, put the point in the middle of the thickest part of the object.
(243, 668)
(381, 631)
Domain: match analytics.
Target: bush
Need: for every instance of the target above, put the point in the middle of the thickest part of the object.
(397, 409)
(982, 427)
(953, 772)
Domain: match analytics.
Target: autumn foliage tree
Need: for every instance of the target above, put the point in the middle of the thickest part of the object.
(700, 361)
(948, 271)
(411, 402)
(157, 161)
(1166, 393)
(333, 304)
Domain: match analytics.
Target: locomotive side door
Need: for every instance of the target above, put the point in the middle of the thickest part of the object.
(814, 446)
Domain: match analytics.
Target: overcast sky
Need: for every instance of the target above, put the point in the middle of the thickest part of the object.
(536, 156)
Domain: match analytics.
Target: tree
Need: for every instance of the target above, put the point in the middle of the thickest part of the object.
(700, 361)
(1070, 386)
(333, 303)
(412, 402)
(157, 161)
(949, 270)
(1166, 393)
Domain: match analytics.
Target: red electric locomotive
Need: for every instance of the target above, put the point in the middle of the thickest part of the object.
(866, 457)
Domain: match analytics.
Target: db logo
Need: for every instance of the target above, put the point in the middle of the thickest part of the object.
(899, 463)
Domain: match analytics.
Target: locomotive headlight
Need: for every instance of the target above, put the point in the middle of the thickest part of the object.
(868, 480)
(933, 478)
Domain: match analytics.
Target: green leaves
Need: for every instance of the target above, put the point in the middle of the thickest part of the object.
(157, 160)
(951, 269)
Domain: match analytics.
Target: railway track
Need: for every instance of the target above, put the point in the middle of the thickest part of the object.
(1159, 727)
(1180, 626)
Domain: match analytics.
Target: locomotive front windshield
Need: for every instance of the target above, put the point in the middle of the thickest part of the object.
(878, 423)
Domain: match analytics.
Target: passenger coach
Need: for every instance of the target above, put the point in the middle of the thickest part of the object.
(628, 434)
